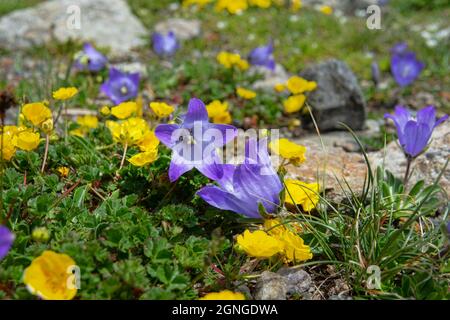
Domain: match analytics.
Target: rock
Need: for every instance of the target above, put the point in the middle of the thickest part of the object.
(298, 281)
(107, 23)
(270, 286)
(184, 29)
(270, 78)
(338, 97)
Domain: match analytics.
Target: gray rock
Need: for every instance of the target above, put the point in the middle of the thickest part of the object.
(298, 281)
(271, 286)
(338, 97)
(184, 29)
(270, 78)
(107, 23)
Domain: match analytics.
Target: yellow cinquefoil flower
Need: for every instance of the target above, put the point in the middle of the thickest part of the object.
(245, 93)
(40, 234)
(143, 158)
(291, 151)
(260, 3)
(218, 111)
(27, 140)
(223, 295)
(36, 113)
(63, 171)
(326, 10)
(259, 244)
(232, 6)
(302, 193)
(275, 227)
(294, 103)
(50, 276)
(298, 85)
(149, 142)
(124, 110)
(295, 249)
(230, 60)
(279, 87)
(86, 123)
(64, 93)
(9, 136)
(161, 109)
(129, 132)
(296, 5)
(105, 111)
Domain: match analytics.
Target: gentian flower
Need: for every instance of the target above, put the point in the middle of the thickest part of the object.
(405, 67)
(244, 187)
(191, 141)
(263, 56)
(415, 132)
(121, 86)
(90, 59)
(6, 241)
(165, 45)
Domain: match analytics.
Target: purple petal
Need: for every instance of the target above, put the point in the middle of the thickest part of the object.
(405, 68)
(178, 166)
(226, 132)
(164, 133)
(6, 241)
(196, 113)
(440, 120)
(416, 137)
(427, 116)
(399, 48)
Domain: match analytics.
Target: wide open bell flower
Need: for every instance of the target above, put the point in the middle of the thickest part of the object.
(121, 86)
(6, 241)
(415, 132)
(194, 141)
(165, 45)
(405, 67)
(247, 186)
(90, 59)
(262, 56)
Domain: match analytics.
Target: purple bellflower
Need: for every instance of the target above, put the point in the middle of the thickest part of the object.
(6, 241)
(263, 56)
(415, 132)
(405, 67)
(194, 142)
(121, 86)
(90, 59)
(243, 188)
(165, 45)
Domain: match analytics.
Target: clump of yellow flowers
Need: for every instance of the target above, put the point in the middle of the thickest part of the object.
(161, 109)
(245, 93)
(85, 123)
(218, 112)
(297, 86)
(275, 238)
(223, 295)
(230, 60)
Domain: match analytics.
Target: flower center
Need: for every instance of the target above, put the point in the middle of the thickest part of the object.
(124, 90)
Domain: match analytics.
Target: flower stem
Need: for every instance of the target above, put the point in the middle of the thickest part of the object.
(44, 161)
(408, 168)
(125, 148)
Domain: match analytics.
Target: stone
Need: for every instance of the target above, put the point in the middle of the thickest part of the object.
(338, 97)
(270, 286)
(107, 23)
(298, 281)
(270, 78)
(184, 29)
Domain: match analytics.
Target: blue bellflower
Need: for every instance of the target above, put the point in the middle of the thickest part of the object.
(405, 67)
(121, 86)
(90, 59)
(165, 45)
(263, 56)
(6, 241)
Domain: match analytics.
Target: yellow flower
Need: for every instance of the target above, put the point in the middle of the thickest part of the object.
(326, 10)
(36, 113)
(143, 158)
(289, 150)
(223, 295)
(224, 118)
(296, 5)
(230, 60)
(302, 193)
(279, 87)
(90, 122)
(124, 110)
(149, 142)
(259, 244)
(245, 93)
(40, 234)
(275, 227)
(65, 93)
(50, 276)
(260, 3)
(27, 140)
(294, 103)
(161, 109)
(129, 132)
(9, 136)
(232, 6)
(295, 249)
(47, 126)
(216, 108)
(105, 111)
(63, 171)
(298, 85)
